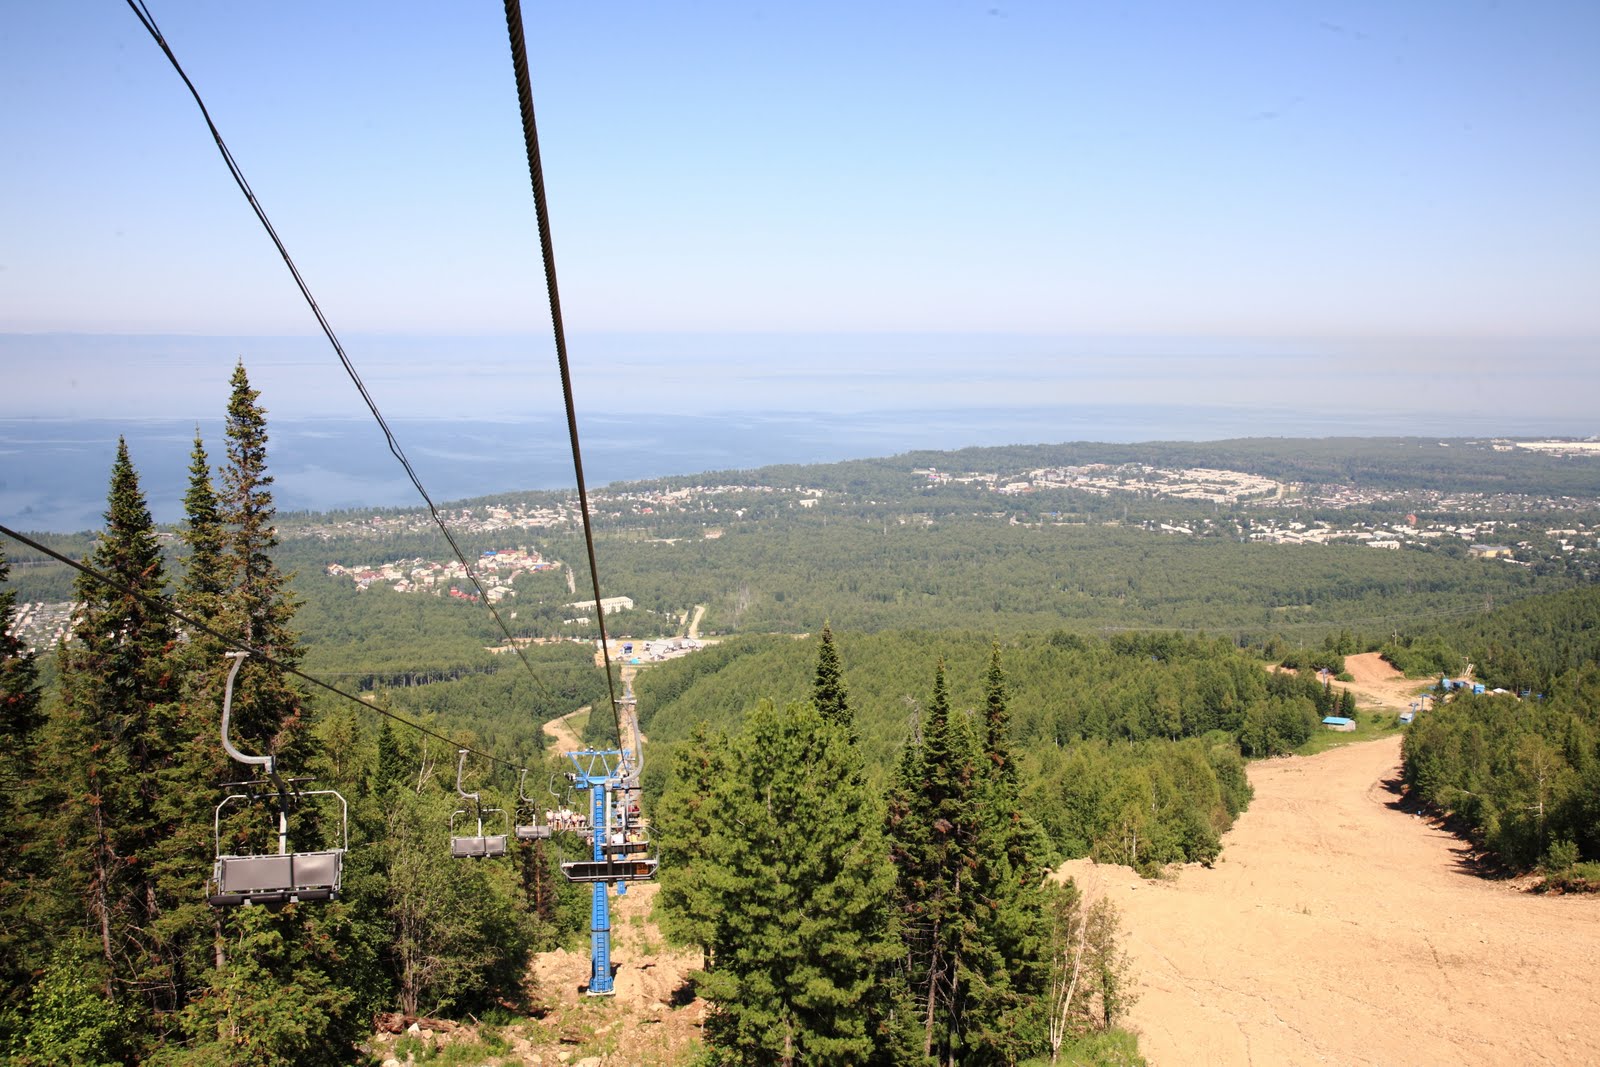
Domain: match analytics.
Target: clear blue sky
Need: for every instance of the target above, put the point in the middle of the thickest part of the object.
(1413, 182)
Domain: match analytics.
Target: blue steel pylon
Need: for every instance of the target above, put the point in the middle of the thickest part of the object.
(600, 911)
(613, 848)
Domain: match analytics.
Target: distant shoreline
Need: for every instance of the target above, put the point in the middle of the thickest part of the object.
(54, 471)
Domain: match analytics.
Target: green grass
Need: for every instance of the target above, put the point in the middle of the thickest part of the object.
(451, 1054)
(1098, 1048)
(1388, 725)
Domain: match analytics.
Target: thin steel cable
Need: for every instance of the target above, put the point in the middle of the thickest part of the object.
(158, 604)
(530, 137)
(143, 14)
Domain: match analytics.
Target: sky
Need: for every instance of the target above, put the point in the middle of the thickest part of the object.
(828, 205)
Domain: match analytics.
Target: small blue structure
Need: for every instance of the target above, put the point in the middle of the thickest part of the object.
(1340, 723)
(1406, 717)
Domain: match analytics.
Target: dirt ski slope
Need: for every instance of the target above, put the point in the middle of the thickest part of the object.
(1339, 928)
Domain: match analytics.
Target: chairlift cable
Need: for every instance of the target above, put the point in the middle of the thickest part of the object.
(159, 605)
(530, 137)
(142, 12)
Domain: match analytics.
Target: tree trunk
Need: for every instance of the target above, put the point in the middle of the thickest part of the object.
(102, 897)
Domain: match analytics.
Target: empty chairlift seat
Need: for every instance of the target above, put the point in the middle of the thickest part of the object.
(478, 846)
(284, 876)
(294, 876)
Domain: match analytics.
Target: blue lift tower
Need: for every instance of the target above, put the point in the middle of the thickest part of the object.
(616, 834)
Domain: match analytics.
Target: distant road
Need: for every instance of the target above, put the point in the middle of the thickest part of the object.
(1337, 928)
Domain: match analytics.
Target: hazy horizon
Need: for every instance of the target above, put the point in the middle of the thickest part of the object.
(1282, 219)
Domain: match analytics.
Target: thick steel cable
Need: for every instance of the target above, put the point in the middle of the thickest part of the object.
(530, 137)
(162, 606)
(143, 14)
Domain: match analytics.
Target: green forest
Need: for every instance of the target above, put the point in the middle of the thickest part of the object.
(1520, 763)
(914, 703)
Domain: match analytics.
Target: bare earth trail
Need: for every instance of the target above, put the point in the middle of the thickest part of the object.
(1376, 684)
(1338, 928)
(560, 732)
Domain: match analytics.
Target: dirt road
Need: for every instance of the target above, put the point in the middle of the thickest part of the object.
(1376, 684)
(1338, 928)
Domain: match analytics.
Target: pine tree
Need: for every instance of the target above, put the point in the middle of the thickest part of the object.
(828, 693)
(971, 913)
(683, 827)
(797, 880)
(205, 574)
(279, 984)
(112, 745)
(257, 609)
(23, 944)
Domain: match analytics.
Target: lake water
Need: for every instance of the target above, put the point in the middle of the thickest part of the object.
(54, 473)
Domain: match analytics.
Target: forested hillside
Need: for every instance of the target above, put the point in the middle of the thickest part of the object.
(1156, 722)
(1460, 465)
(963, 572)
(1522, 766)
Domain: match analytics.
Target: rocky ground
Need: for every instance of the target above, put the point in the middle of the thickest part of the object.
(653, 1020)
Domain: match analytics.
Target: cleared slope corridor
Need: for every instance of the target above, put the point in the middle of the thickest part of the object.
(1339, 928)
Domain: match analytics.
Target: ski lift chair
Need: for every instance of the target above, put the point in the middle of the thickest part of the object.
(529, 830)
(479, 845)
(273, 879)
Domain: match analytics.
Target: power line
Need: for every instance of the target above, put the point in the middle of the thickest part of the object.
(159, 605)
(143, 14)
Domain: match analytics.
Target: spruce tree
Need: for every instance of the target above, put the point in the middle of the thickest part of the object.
(113, 744)
(971, 919)
(997, 724)
(1009, 1001)
(683, 827)
(278, 983)
(257, 609)
(23, 944)
(205, 573)
(797, 881)
(935, 826)
(828, 693)
(391, 771)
